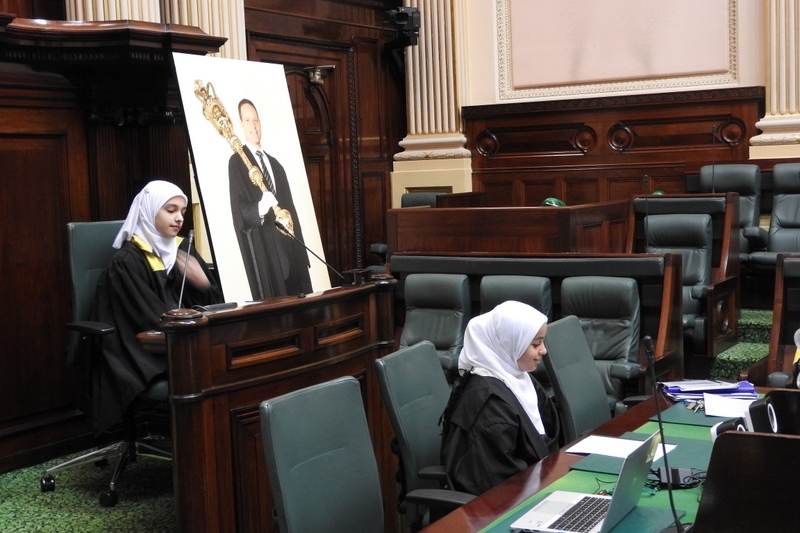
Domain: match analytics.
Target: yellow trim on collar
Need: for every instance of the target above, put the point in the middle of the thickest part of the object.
(155, 262)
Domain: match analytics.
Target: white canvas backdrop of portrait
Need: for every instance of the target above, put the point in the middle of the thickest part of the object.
(265, 85)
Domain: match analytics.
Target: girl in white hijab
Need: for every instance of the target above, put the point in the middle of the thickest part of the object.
(144, 280)
(495, 342)
(141, 220)
(499, 420)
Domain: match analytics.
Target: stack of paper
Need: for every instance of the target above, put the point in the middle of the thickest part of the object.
(693, 389)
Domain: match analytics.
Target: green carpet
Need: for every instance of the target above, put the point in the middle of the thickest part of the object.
(755, 326)
(146, 501)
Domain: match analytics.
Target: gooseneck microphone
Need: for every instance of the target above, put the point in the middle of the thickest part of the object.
(185, 267)
(647, 341)
(285, 230)
(179, 313)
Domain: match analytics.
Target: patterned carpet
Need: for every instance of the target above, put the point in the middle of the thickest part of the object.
(754, 331)
(146, 501)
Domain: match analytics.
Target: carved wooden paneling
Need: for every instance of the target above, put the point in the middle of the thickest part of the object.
(597, 149)
(287, 343)
(44, 183)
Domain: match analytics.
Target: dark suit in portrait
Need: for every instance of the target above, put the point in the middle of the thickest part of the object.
(275, 263)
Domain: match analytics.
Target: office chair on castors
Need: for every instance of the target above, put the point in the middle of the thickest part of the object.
(90, 253)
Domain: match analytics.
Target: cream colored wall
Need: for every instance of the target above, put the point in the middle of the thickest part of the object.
(737, 48)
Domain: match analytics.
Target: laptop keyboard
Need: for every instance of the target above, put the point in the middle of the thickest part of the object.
(584, 515)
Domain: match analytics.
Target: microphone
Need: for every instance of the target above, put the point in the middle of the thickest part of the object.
(180, 313)
(185, 267)
(285, 230)
(647, 341)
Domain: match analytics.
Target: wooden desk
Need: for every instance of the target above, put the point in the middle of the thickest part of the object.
(597, 228)
(223, 364)
(481, 511)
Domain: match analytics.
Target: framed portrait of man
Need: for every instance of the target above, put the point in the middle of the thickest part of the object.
(251, 177)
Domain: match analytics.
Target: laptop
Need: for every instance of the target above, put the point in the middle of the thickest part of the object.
(575, 512)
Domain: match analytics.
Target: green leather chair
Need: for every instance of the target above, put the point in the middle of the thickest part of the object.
(579, 392)
(419, 199)
(609, 312)
(745, 180)
(415, 393)
(784, 224)
(689, 235)
(321, 463)
(90, 252)
(320, 460)
(532, 290)
(438, 308)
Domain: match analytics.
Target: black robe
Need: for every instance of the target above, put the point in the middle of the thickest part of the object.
(275, 264)
(132, 297)
(488, 437)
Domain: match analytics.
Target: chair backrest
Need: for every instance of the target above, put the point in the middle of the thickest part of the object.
(689, 235)
(784, 226)
(90, 250)
(320, 461)
(419, 199)
(532, 290)
(741, 178)
(438, 308)
(579, 392)
(415, 393)
(608, 309)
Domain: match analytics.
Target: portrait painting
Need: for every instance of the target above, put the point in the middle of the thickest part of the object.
(251, 178)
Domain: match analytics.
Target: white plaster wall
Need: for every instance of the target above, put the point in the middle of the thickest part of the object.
(585, 55)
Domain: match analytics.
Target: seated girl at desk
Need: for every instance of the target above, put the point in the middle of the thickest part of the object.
(143, 281)
(499, 420)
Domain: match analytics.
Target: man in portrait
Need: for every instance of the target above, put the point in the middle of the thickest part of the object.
(275, 263)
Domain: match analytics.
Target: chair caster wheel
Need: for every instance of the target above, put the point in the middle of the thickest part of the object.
(47, 483)
(108, 498)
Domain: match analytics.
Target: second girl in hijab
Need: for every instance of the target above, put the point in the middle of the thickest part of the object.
(499, 420)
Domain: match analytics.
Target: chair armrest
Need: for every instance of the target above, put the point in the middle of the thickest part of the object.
(88, 327)
(436, 472)
(757, 237)
(779, 380)
(439, 498)
(699, 292)
(625, 371)
(86, 335)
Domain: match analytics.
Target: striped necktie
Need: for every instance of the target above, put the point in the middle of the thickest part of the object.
(265, 172)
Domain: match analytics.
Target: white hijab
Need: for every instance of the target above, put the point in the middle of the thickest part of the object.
(493, 343)
(142, 216)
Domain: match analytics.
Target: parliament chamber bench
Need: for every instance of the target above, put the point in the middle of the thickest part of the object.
(658, 278)
(709, 312)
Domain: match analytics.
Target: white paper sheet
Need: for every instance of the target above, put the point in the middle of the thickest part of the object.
(611, 447)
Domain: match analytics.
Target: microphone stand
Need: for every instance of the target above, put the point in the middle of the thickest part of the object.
(180, 313)
(678, 527)
(285, 231)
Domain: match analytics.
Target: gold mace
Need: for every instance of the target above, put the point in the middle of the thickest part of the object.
(215, 113)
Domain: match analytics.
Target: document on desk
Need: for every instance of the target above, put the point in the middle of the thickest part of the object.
(716, 405)
(611, 447)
